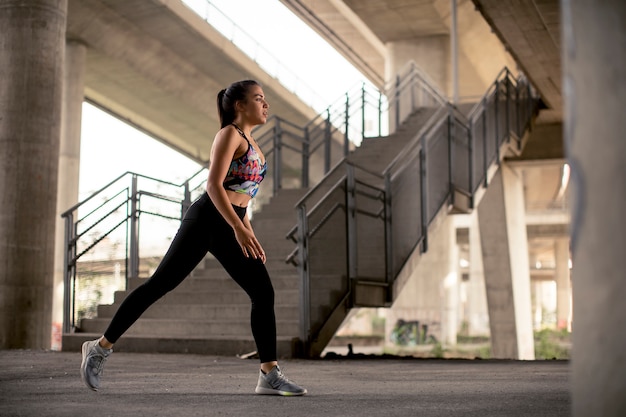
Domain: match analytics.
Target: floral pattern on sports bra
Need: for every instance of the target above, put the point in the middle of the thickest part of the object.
(246, 172)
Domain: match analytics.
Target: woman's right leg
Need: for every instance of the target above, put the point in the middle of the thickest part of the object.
(185, 252)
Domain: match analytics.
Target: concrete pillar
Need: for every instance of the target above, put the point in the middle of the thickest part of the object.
(69, 168)
(563, 284)
(478, 316)
(431, 291)
(594, 35)
(501, 218)
(450, 286)
(31, 68)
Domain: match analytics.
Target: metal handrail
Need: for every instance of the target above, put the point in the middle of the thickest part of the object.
(458, 131)
(128, 198)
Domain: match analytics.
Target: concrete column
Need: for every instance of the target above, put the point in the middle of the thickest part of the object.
(69, 168)
(31, 68)
(501, 218)
(537, 304)
(450, 286)
(428, 294)
(478, 316)
(563, 284)
(594, 35)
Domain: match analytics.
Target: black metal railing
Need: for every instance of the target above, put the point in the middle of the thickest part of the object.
(102, 236)
(448, 158)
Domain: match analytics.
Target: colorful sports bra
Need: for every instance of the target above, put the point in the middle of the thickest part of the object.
(246, 172)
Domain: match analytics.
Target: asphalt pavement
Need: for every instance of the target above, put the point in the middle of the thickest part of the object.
(47, 383)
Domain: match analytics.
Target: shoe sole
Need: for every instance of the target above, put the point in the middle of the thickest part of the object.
(270, 391)
(83, 365)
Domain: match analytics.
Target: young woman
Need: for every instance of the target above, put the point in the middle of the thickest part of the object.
(218, 223)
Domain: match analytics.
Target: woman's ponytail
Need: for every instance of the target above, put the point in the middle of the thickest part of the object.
(220, 107)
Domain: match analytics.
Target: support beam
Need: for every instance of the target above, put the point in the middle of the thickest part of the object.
(478, 314)
(501, 216)
(69, 168)
(31, 70)
(563, 284)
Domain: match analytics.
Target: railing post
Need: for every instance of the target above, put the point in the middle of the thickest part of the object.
(508, 109)
(451, 140)
(496, 99)
(305, 158)
(424, 194)
(397, 100)
(388, 237)
(68, 243)
(485, 150)
(186, 203)
(412, 92)
(529, 110)
(518, 117)
(363, 111)
(278, 133)
(305, 284)
(346, 136)
(470, 162)
(351, 222)
(134, 229)
(327, 142)
(380, 114)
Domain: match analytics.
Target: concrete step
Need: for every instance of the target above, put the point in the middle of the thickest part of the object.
(320, 294)
(206, 281)
(215, 345)
(237, 296)
(275, 265)
(184, 326)
(203, 311)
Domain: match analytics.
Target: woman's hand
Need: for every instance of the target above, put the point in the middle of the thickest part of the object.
(249, 243)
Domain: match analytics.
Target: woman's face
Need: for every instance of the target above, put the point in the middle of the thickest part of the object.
(255, 108)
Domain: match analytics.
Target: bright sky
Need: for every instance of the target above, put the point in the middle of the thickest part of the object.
(266, 30)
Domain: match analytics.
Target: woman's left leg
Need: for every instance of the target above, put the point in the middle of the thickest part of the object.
(252, 276)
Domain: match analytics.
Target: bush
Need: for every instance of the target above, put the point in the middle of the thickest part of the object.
(552, 344)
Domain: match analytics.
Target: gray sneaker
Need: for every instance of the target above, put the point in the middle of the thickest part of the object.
(94, 357)
(276, 383)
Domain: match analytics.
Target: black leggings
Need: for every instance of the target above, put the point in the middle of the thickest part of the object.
(203, 230)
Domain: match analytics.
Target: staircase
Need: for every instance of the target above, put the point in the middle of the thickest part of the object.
(357, 229)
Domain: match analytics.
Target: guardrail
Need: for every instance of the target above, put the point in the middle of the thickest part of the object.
(113, 215)
(447, 158)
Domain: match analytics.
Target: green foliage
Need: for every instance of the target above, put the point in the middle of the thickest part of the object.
(484, 352)
(552, 344)
(437, 351)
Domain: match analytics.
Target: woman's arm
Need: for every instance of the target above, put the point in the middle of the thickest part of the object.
(246, 222)
(224, 147)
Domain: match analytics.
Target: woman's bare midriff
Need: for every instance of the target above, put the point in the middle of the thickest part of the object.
(238, 199)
